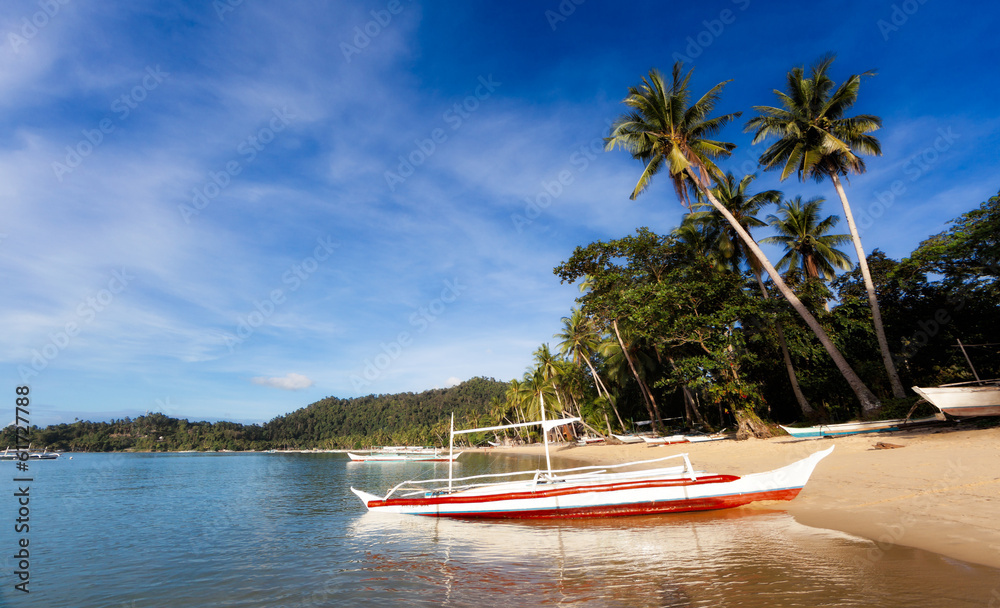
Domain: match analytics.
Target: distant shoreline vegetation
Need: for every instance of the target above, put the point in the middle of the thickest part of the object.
(331, 423)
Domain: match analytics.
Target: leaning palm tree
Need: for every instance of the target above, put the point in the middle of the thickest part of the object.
(664, 129)
(806, 239)
(731, 251)
(579, 339)
(816, 140)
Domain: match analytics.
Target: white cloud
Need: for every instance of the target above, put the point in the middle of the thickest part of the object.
(289, 382)
(453, 381)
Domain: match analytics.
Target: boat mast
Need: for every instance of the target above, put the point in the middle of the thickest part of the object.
(969, 361)
(451, 450)
(545, 435)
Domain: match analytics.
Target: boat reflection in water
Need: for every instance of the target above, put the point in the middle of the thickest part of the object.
(746, 557)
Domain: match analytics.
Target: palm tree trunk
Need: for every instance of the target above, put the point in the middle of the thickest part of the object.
(868, 400)
(654, 411)
(607, 395)
(883, 344)
(792, 377)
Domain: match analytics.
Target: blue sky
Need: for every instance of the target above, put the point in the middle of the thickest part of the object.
(231, 209)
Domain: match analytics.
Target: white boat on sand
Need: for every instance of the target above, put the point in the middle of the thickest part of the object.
(595, 491)
(854, 428)
(964, 399)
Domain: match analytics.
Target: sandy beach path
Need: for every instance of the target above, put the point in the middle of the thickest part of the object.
(939, 492)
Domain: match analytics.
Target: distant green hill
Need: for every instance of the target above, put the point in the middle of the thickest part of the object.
(405, 419)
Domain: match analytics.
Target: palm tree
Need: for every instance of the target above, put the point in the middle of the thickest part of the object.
(580, 339)
(728, 245)
(621, 353)
(663, 129)
(816, 140)
(806, 240)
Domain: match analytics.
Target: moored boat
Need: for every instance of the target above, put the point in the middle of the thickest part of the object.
(854, 428)
(594, 491)
(964, 399)
(8, 454)
(404, 454)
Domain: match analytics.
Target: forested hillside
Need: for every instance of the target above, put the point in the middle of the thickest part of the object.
(408, 418)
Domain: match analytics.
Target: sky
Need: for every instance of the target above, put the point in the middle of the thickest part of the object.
(232, 209)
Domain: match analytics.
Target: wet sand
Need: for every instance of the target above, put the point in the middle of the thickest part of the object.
(939, 492)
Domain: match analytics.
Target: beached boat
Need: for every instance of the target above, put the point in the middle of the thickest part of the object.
(674, 439)
(628, 438)
(855, 428)
(595, 491)
(403, 454)
(964, 399)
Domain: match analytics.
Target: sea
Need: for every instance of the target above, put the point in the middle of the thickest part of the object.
(274, 530)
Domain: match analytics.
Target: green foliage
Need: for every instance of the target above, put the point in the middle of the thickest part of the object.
(409, 419)
(968, 253)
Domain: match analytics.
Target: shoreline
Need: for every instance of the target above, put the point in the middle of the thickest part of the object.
(940, 492)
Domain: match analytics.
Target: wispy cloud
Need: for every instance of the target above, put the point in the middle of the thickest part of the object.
(288, 382)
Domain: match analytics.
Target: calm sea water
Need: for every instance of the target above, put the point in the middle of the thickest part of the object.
(274, 530)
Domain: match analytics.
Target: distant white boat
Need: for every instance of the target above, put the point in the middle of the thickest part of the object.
(854, 428)
(403, 454)
(43, 455)
(964, 399)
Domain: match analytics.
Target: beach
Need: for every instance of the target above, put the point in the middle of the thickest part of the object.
(939, 492)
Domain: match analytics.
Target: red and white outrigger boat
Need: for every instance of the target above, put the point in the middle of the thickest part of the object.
(595, 491)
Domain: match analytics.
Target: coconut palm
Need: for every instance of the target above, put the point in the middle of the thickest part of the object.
(806, 240)
(580, 340)
(816, 139)
(730, 250)
(664, 129)
(621, 353)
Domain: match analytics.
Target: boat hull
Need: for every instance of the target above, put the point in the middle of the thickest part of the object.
(401, 457)
(854, 428)
(605, 496)
(963, 401)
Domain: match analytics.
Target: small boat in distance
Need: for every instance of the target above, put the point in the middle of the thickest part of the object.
(964, 399)
(584, 492)
(43, 455)
(403, 454)
(855, 428)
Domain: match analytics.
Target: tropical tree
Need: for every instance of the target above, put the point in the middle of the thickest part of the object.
(817, 140)
(730, 250)
(806, 240)
(664, 129)
(580, 340)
